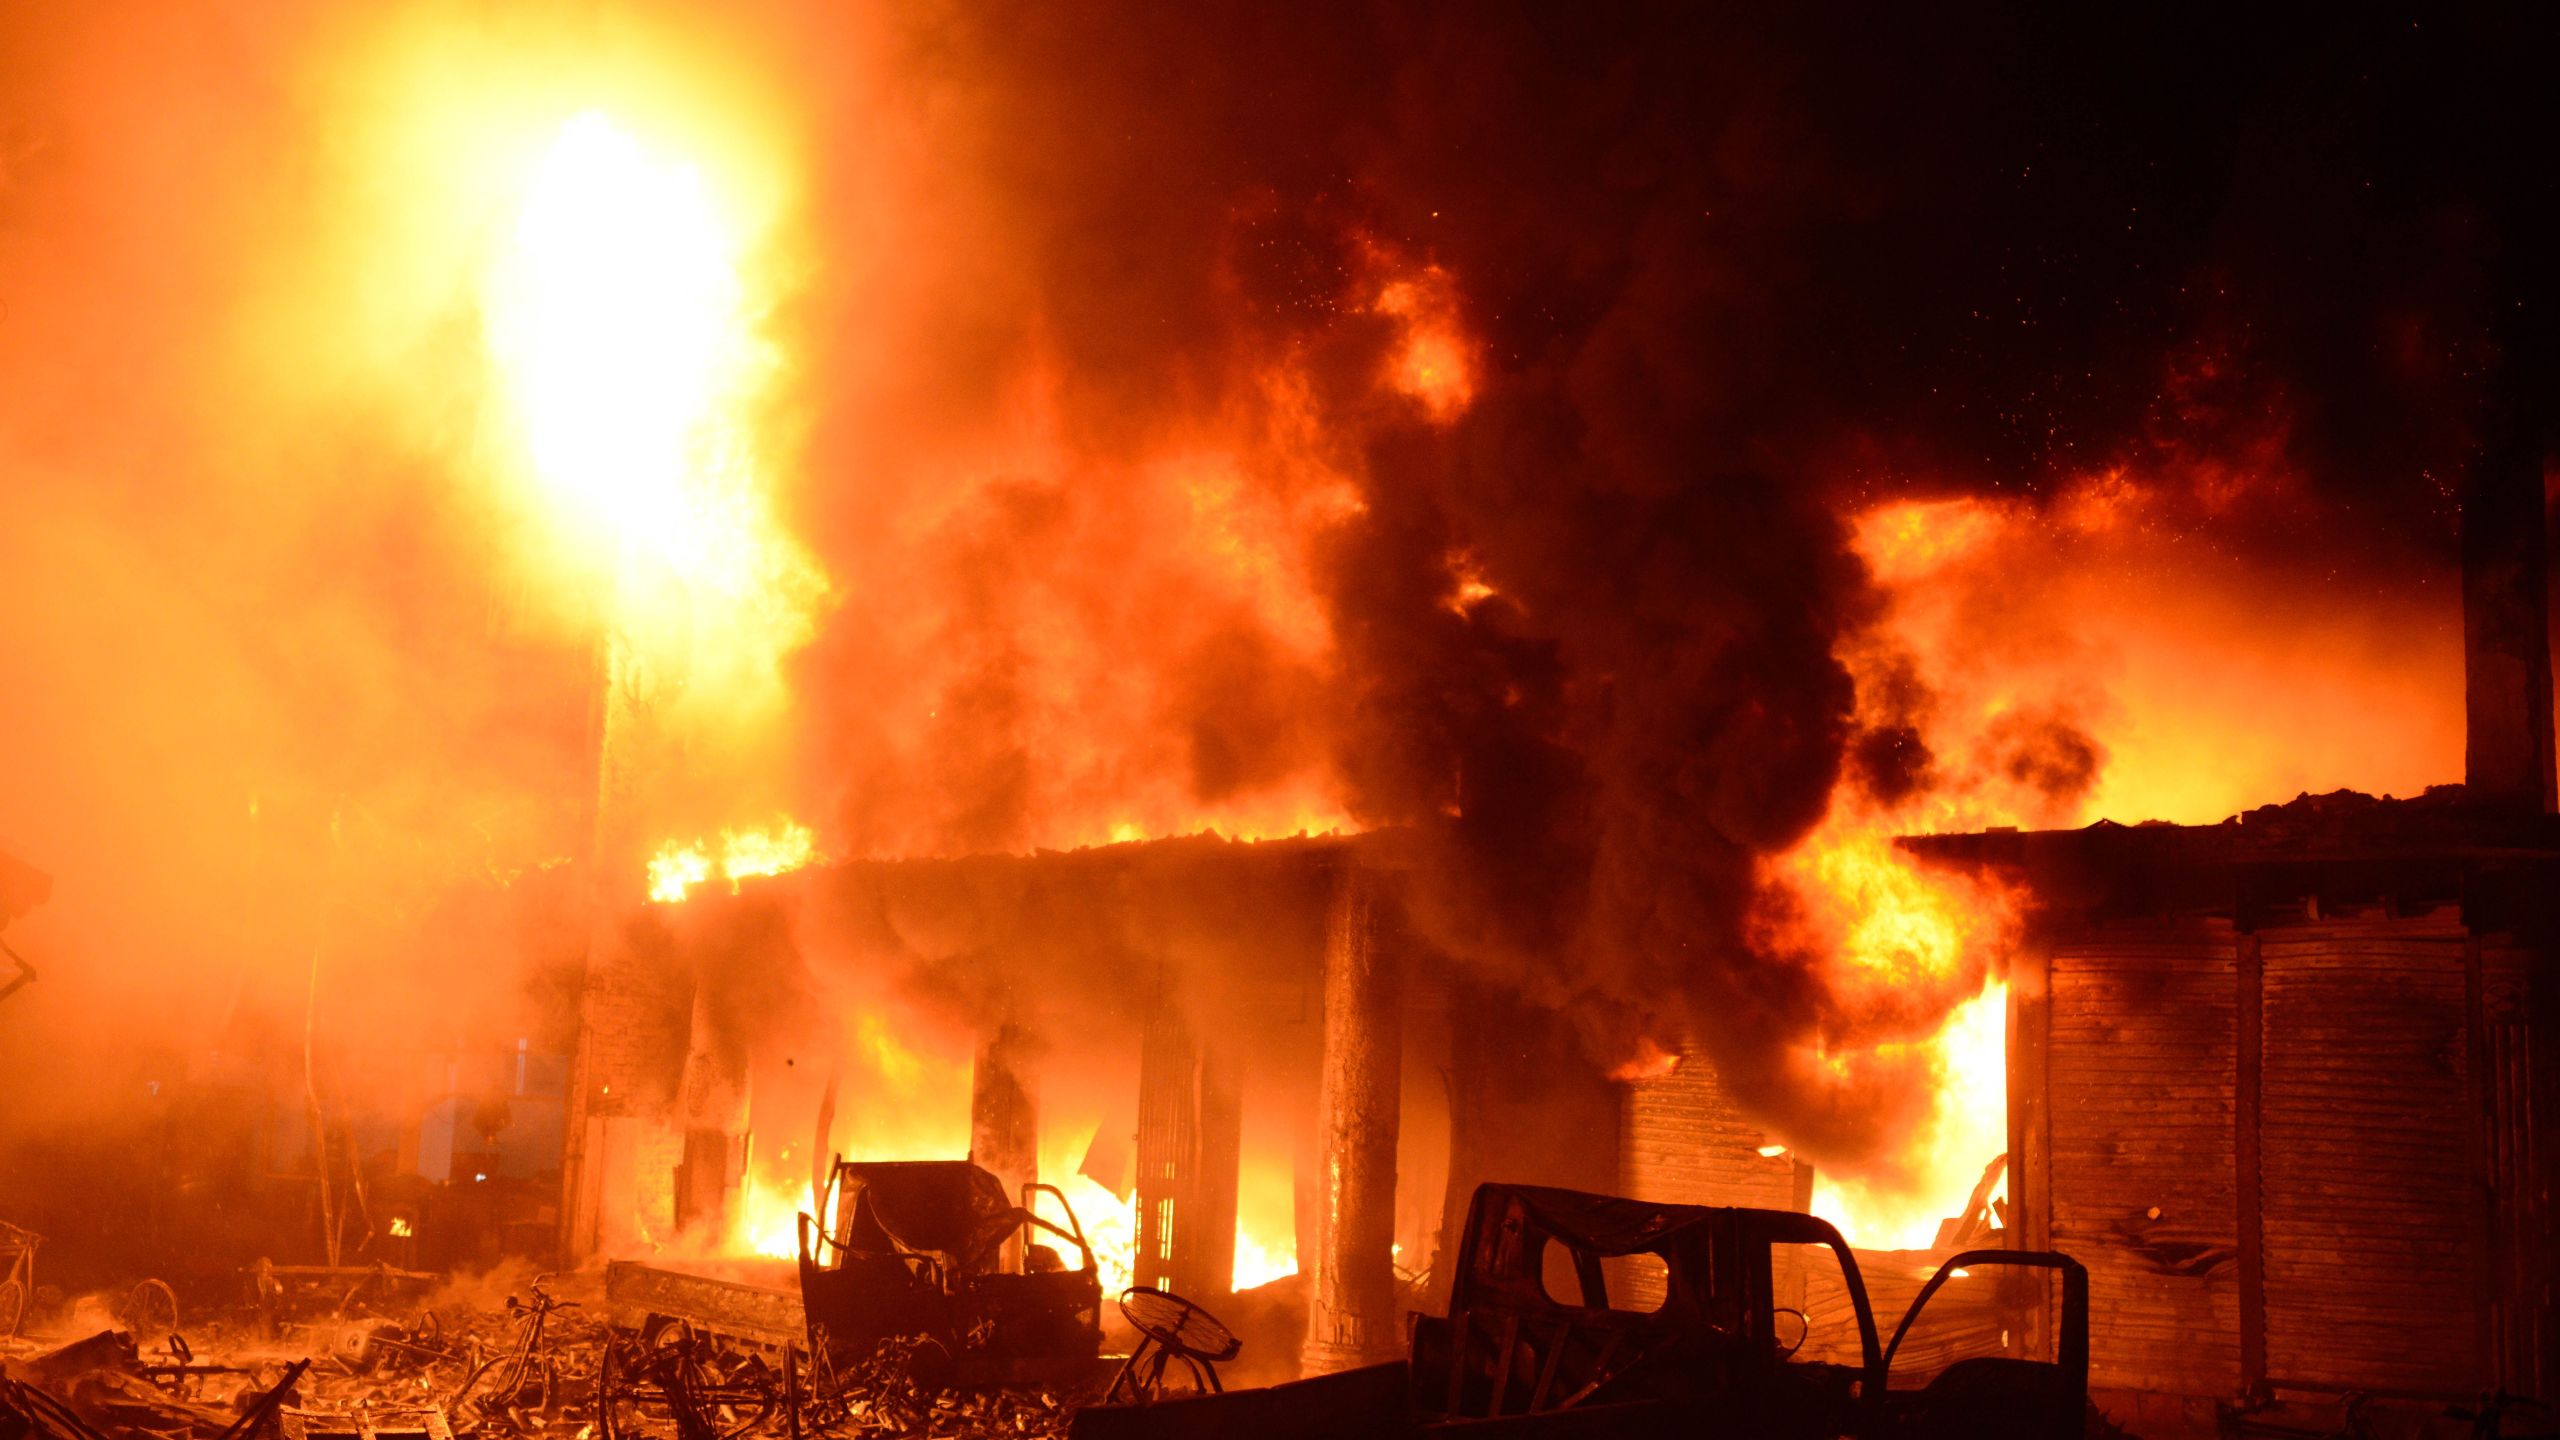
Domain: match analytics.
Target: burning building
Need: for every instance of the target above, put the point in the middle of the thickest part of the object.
(2279, 1081)
(1262, 616)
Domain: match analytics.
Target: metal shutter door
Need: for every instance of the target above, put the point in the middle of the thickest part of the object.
(2368, 1200)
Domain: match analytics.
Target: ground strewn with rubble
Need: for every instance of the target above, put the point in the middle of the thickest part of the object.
(499, 1356)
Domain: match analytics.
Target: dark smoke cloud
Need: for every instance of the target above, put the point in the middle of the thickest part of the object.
(2047, 752)
(1890, 758)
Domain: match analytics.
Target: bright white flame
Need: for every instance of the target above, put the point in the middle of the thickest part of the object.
(618, 319)
(1110, 1226)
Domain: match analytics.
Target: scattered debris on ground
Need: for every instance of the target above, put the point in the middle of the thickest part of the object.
(463, 1362)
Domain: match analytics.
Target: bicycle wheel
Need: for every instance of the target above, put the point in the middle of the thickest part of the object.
(13, 1307)
(151, 1311)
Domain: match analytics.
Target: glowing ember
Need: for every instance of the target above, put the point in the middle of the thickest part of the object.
(1472, 589)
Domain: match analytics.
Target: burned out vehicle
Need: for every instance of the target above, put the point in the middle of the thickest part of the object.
(935, 1251)
(1588, 1315)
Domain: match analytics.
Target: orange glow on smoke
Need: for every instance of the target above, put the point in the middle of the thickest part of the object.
(1434, 362)
(1651, 1062)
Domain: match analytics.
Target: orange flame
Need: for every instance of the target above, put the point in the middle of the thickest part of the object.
(678, 866)
(919, 1110)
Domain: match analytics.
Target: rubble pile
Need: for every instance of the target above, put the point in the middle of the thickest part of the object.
(543, 1367)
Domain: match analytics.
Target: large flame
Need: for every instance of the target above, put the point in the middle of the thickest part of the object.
(917, 1108)
(1908, 942)
(618, 315)
(916, 1086)
(621, 316)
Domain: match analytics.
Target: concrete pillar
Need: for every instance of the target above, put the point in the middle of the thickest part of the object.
(1351, 1294)
(598, 1200)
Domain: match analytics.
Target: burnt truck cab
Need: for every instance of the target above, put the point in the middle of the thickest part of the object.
(1573, 1314)
(918, 1249)
(1566, 1301)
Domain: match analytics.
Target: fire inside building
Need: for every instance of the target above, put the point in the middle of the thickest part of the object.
(796, 720)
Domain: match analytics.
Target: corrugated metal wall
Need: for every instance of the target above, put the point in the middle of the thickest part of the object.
(1189, 1118)
(2142, 1064)
(2304, 1155)
(2372, 1216)
(2518, 1208)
